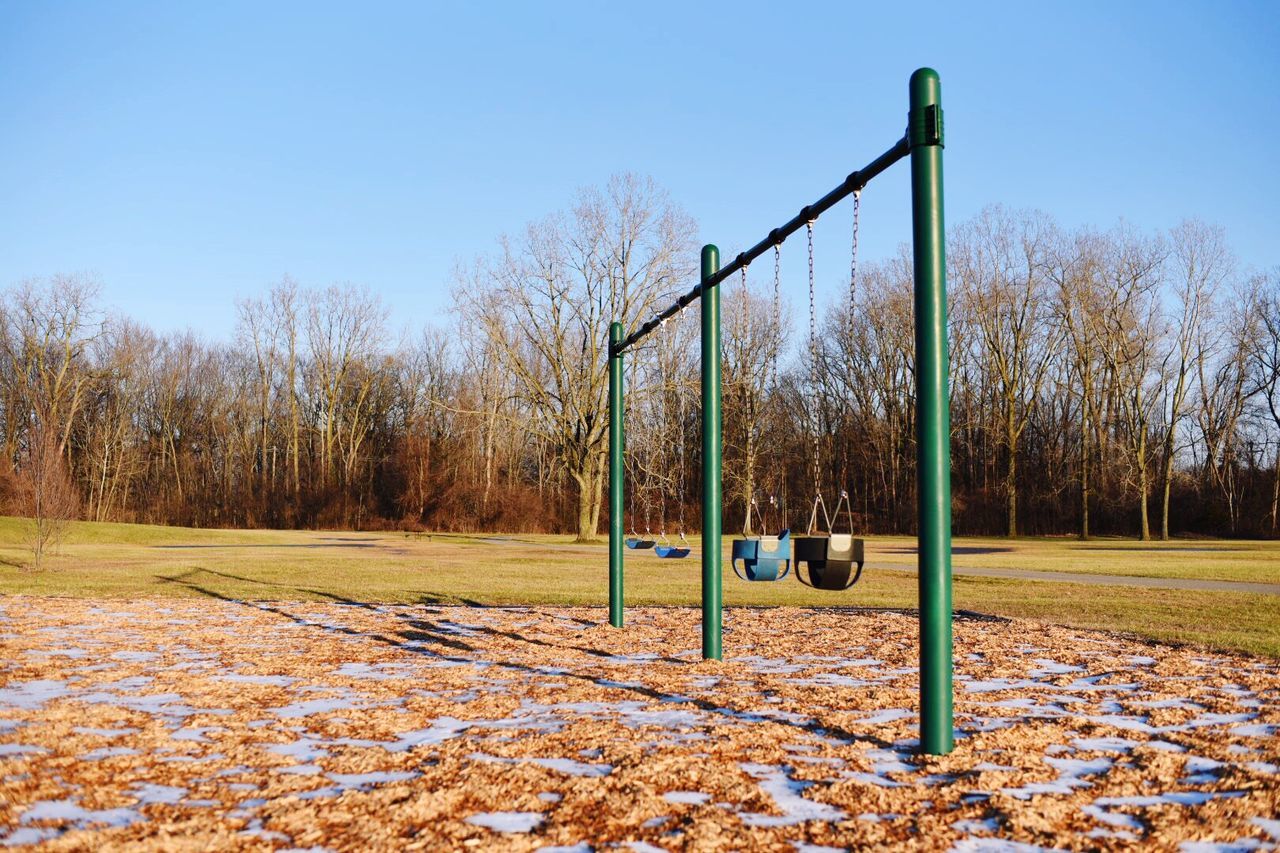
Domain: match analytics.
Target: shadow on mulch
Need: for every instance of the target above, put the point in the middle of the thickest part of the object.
(419, 630)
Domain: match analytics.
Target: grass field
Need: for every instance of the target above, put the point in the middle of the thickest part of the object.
(134, 561)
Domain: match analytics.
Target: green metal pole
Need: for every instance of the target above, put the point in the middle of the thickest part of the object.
(711, 483)
(616, 476)
(933, 416)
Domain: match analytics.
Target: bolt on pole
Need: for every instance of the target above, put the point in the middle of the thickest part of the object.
(616, 475)
(933, 416)
(711, 482)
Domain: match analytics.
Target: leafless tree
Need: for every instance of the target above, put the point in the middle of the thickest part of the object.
(548, 303)
(1201, 265)
(999, 262)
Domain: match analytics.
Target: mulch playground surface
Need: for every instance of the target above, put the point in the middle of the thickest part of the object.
(257, 725)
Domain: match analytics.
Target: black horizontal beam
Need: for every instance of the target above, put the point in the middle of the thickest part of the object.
(856, 181)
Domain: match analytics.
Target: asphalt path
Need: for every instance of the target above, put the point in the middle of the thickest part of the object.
(1098, 580)
(1014, 574)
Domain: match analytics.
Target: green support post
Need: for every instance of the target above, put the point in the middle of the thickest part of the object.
(616, 476)
(933, 416)
(711, 483)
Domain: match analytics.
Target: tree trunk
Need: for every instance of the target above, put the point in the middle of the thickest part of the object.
(1084, 480)
(590, 481)
(1166, 477)
(586, 506)
(1145, 534)
(1275, 490)
(1011, 485)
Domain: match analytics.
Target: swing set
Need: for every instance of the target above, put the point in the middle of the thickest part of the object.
(662, 547)
(822, 558)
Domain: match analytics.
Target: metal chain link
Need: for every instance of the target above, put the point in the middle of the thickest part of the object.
(853, 261)
(813, 366)
(777, 314)
(680, 484)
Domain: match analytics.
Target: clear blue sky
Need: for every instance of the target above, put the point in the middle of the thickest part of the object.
(192, 153)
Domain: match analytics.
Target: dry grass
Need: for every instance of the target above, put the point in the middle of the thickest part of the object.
(131, 561)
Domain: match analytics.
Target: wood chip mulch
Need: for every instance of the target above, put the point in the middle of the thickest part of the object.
(217, 724)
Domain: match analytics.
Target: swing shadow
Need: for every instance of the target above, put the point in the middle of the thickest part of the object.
(428, 599)
(418, 630)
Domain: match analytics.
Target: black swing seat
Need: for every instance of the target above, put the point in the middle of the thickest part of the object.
(831, 562)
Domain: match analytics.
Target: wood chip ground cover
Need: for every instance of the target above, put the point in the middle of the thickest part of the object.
(258, 725)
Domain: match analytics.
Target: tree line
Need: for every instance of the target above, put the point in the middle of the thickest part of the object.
(1113, 381)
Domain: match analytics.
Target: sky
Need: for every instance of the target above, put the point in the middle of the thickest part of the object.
(187, 155)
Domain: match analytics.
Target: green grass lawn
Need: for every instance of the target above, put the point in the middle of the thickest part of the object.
(134, 561)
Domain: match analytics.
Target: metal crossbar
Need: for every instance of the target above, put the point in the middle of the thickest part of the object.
(856, 181)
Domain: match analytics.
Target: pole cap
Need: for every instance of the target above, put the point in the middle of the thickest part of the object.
(710, 260)
(924, 122)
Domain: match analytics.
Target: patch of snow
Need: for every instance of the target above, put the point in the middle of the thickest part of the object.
(996, 845)
(364, 781)
(888, 715)
(444, 728)
(269, 680)
(1051, 667)
(301, 770)
(1268, 825)
(507, 821)
(86, 730)
(70, 811)
(1106, 744)
(32, 695)
(785, 792)
(109, 752)
(976, 827)
(135, 657)
(148, 794)
(25, 835)
(1124, 821)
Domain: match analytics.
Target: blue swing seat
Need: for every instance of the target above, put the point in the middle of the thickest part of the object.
(671, 551)
(765, 559)
(634, 542)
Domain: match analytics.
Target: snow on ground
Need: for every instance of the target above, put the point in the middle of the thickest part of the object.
(354, 726)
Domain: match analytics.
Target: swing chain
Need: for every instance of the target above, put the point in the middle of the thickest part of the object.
(680, 484)
(777, 312)
(853, 260)
(813, 365)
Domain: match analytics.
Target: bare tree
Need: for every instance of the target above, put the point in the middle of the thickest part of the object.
(1075, 267)
(752, 347)
(547, 303)
(999, 262)
(50, 496)
(1132, 326)
(344, 326)
(1201, 266)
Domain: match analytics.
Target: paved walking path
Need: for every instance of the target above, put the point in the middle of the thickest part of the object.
(1018, 574)
(1101, 580)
